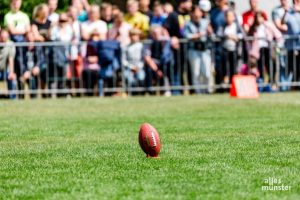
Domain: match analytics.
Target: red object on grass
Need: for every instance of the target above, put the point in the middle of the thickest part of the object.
(244, 87)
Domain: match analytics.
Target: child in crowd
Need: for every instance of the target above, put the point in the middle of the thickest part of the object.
(158, 17)
(232, 34)
(90, 73)
(132, 60)
(7, 56)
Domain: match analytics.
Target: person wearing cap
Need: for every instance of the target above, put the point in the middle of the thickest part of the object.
(248, 17)
(132, 60)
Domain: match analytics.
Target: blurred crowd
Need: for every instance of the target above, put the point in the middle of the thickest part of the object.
(144, 46)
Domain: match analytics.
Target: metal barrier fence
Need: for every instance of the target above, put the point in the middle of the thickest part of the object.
(55, 69)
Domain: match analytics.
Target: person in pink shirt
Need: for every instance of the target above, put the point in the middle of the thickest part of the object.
(264, 33)
(120, 30)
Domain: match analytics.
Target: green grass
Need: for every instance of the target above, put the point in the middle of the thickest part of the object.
(213, 147)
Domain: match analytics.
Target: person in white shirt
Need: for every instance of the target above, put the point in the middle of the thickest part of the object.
(59, 54)
(53, 16)
(231, 36)
(94, 24)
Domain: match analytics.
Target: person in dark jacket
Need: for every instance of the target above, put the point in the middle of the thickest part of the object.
(159, 60)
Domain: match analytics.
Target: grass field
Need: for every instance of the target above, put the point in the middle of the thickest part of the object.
(214, 147)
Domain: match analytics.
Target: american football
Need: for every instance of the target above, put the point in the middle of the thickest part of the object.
(149, 140)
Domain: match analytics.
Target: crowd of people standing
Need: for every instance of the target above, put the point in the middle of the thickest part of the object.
(144, 45)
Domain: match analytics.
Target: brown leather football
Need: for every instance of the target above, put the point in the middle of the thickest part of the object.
(149, 140)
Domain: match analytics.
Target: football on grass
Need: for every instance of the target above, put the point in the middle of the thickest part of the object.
(149, 140)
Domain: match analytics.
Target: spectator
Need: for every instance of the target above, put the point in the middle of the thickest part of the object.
(277, 16)
(158, 16)
(75, 23)
(217, 16)
(83, 7)
(205, 7)
(132, 60)
(74, 69)
(232, 5)
(292, 20)
(34, 60)
(90, 74)
(16, 21)
(40, 23)
(109, 53)
(40, 27)
(18, 24)
(62, 32)
(106, 14)
(168, 8)
(120, 30)
(58, 59)
(264, 32)
(158, 59)
(248, 17)
(137, 19)
(94, 24)
(218, 22)
(176, 20)
(7, 56)
(53, 16)
(115, 10)
(174, 24)
(199, 55)
(278, 13)
(231, 35)
(144, 7)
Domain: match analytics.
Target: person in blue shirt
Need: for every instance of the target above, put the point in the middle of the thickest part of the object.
(217, 18)
(292, 20)
(158, 17)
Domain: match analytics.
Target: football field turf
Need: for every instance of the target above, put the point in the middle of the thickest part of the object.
(213, 147)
